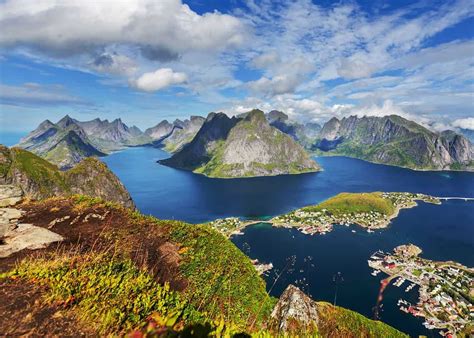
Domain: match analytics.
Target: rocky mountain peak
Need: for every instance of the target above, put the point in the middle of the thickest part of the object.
(276, 115)
(65, 122)
(295, 312)
(241, 147)
(256, 116)
(46, 124)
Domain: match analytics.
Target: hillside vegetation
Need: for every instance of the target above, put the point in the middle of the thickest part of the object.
(39, 178)
(395, 140)
(121, 272)
(351, 203)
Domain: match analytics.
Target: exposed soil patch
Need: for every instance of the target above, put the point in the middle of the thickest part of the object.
(24, 312)
(101, 228)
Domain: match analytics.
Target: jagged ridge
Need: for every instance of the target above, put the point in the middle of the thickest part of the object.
(396, 141)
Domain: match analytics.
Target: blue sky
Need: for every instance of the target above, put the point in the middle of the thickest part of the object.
(145, 60)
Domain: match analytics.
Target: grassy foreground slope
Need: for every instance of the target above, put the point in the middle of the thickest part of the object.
(119, 271)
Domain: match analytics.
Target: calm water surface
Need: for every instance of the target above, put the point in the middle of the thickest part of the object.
(444, 232)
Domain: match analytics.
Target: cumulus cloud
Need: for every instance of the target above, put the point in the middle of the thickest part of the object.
(113, 63)
(159, 79)
(277, 85)
(163, 29)
(265, 60)
(466, 123)
(355, 68)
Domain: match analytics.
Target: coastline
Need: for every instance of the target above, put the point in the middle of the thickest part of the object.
(311, 223)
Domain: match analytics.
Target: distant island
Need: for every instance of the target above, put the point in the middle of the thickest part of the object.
(257, 144)
(371, 211)
(445, 289)
(245, 146)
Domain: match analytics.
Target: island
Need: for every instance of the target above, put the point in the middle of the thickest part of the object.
(373, 210)
(446, 289)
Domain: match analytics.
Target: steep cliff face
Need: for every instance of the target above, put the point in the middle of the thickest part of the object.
(236, 147)
(396, 141)
(200, 150)
(162, 129)
(304, 134)
(182, 133)
(40, 179)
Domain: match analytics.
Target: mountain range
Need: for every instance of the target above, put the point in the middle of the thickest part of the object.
(173, 136)
(198, 144)
(395, 140)
(69, 141)
(243, 146)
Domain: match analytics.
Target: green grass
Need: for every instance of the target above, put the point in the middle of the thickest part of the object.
(111, 293)
(352, 203)
(223, 281)
(45, 175)
(340, 322)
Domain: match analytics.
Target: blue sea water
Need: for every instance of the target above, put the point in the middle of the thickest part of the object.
(444, 232)
(10, 138)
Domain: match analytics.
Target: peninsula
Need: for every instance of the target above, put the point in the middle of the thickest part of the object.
(446, 289)
(373, 210)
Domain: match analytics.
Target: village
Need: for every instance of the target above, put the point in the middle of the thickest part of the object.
(322, 220)
(446, 289)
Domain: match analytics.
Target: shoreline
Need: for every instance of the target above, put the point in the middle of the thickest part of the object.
(322, 222)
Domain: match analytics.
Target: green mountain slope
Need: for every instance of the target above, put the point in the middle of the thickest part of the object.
(241, 147)
(39, 178)
(396, 141)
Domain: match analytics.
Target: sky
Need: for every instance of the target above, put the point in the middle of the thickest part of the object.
(146, 60)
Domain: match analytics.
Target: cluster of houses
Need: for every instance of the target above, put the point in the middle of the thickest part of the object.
(445, 293)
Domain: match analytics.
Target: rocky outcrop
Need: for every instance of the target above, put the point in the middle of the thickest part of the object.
(93, 178)
(241, 147)
(38, 179)
(396, 141)
(15, 236)
(295, 313)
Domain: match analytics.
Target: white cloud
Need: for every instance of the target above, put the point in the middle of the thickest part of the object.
(466, 123)
(265, 60)
(113, 63)
(159, 79)
(355, 68)
(161, 29)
